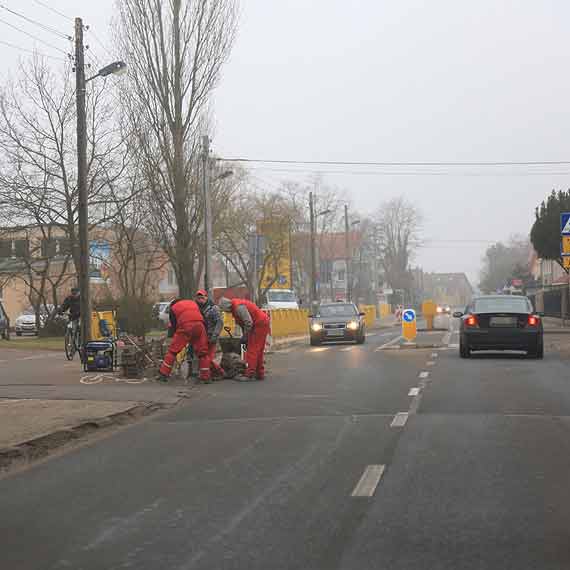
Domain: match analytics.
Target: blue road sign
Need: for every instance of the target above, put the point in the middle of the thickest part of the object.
(565, 223)
(409, 316)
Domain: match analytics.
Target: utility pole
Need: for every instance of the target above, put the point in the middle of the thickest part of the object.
(313, 253)
(347, 255)
(85, 298)
(207, 215)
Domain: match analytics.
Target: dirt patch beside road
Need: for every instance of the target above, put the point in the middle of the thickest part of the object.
(32, 429)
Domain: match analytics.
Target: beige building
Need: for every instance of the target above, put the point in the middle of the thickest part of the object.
(36, 262)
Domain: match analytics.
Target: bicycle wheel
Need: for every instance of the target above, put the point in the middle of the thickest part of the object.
(70, 346)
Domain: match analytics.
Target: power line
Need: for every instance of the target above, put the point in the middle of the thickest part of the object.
(410, 173)
(423, 163)
(33, 36)
(53, 10)
(36, 23)
(31, 51)
(96, 38)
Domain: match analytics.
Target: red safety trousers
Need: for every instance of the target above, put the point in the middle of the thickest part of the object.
(193, 333)
(255, 354)
(214, 366)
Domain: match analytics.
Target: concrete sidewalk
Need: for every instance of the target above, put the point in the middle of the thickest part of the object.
(555, 325)
(24, 420)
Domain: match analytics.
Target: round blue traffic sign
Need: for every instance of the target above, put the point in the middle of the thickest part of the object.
(409, 316)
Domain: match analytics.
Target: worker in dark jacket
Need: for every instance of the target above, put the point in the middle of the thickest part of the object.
(187, 324)
(214, 322)
(255, 324)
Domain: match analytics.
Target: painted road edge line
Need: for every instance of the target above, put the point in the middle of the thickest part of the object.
(389, 343)
(369, 481)
(400, 419)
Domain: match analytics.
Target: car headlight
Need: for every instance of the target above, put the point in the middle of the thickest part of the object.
(352, 326)
(316, 327)
(439, 310)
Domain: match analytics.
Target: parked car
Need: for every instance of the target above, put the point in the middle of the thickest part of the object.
(500, 322)
(337, 321)
(160, 312)
(4, 323)
(26, 322)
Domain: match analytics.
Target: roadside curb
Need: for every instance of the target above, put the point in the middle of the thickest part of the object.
(556, 331)
(40, 446)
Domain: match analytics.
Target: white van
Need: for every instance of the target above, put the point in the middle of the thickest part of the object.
(281, 299)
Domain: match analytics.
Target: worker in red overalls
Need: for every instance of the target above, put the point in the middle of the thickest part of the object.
(187, 327)
(255, 325)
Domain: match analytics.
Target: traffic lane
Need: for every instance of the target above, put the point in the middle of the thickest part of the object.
(497, 383)
(196, 494)
(471, 491)
(32, 367)
(312, 383)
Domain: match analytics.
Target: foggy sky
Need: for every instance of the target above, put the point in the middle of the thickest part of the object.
(374, 80)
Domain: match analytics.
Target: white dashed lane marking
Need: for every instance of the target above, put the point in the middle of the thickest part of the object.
(347, 349)
(423, 374)
(414, 392)
(400, 419)
(369, 481)
(321, 349)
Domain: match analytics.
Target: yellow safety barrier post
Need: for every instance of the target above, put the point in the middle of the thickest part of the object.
(409, 326)
(429, 310)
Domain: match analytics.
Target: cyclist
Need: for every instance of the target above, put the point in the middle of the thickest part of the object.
(72, 304)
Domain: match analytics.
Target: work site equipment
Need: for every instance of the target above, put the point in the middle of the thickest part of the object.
(232, 361)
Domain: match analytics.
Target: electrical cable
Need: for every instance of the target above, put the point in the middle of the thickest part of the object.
(422, 163)
(36, 23)
(33, 36)
(31, 51)
(96, 38)
(53, 10)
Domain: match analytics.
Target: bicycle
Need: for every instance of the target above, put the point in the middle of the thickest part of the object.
(72, 339)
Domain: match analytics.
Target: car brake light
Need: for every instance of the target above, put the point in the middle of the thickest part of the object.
(471, 321)
(533, 321)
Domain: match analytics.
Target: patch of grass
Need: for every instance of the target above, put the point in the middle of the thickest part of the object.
(33, 343)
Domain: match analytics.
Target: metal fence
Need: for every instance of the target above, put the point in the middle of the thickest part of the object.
(551, 301)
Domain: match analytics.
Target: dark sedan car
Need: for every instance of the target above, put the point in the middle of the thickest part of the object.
(500, 322)
(337, 321)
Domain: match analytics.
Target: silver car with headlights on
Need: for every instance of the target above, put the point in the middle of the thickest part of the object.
(337, 321)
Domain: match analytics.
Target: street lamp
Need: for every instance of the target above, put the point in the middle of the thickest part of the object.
(83, 212)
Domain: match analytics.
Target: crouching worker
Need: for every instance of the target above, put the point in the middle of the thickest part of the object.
(255, 324)
(186, 327)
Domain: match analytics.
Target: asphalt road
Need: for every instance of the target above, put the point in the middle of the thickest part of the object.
(462, 464)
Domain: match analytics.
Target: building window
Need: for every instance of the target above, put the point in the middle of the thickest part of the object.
(171, 277)
(341, 275)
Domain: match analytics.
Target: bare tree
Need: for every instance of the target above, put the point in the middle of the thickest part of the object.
(175, 50)
(38, 182)
(397, 229)
(254, 238)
